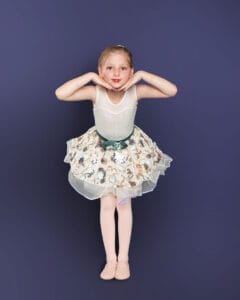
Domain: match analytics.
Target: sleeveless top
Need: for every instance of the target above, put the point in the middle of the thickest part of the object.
(115, 121)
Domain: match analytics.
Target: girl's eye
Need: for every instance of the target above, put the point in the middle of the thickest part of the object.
(123, 68)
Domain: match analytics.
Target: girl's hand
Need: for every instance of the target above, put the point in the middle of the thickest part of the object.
(96, 79)
(134, 79)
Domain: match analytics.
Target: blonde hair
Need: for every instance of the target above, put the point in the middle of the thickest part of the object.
(115, 48)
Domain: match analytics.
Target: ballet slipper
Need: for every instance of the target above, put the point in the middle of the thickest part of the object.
(122, 270)
(108, 271)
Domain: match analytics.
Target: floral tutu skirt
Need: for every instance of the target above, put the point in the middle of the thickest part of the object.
(126, 173)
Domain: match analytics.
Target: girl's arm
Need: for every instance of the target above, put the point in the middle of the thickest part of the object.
(74, 89)
(161, 88)
(67, 91)
(158, 86)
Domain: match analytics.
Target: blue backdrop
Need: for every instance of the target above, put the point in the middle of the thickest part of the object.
(185, 241)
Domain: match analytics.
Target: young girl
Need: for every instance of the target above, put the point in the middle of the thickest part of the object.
(115, 160)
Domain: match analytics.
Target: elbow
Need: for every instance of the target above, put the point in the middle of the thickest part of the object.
(58, 95)
(174, 91)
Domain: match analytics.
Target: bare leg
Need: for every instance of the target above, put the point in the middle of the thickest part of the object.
(125, 221)
(107, 222)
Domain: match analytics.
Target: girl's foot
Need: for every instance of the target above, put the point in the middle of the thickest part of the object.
(122, 270)
(108, 271)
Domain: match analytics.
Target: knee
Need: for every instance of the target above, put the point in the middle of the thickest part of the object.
(108, 203)
(125, 207)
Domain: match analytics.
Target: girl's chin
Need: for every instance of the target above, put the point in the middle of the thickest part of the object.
(116, 88)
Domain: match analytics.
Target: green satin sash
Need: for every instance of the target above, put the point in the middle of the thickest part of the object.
(115, 145)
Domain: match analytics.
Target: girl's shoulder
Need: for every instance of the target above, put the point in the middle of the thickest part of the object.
(97, 90)
(93, 89)
(141, 90)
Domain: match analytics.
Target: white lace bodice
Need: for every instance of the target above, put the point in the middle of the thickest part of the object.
(115, 121)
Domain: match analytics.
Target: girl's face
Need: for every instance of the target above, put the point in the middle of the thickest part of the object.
(115, 70)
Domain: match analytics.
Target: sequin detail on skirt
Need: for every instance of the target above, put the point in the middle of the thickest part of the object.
(126, 173)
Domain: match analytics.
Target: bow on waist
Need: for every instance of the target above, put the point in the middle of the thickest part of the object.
(115, 145)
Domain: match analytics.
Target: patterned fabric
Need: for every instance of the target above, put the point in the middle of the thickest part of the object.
(128, 172)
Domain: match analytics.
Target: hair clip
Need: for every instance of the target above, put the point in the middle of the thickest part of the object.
(120, 46)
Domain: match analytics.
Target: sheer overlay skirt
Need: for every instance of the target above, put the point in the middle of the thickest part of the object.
(126, 173)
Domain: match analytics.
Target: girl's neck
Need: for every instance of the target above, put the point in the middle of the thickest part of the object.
(115, 94)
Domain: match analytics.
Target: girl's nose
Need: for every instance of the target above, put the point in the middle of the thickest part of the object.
(116, 72)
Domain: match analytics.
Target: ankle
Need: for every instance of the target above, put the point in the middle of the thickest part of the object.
(123, 259)
(111, 259)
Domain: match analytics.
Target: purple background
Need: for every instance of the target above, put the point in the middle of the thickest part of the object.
(185, 242)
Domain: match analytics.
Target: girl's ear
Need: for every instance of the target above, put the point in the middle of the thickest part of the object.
(132, 71)
(99, 71)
